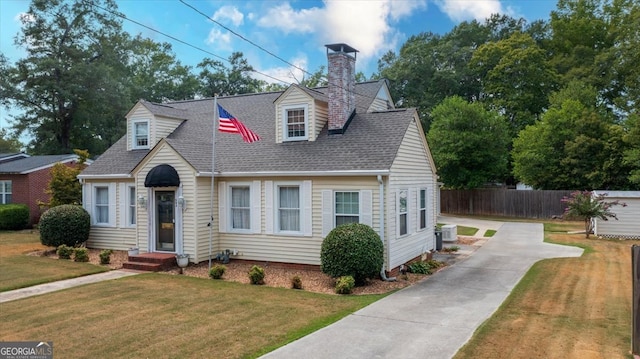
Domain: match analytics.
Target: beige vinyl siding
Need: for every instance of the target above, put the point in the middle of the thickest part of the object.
(164, 154)
(115, 237)
(381, 102)
(321, 116)
(628, 223)
(411, 171)
(140, 113)
(287, 248)
(203, 215)
(164, 126)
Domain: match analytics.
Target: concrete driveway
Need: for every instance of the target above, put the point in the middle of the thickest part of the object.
(436, 317)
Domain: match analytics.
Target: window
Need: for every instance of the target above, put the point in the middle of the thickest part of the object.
(347, 207)
(402, 211)
(289, 208)
(101, 205)
(423, 209)
(5, 192)
(131, 205)
(140, 134)
(295, 123)
(240, 207)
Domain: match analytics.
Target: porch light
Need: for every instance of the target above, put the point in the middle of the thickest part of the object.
(182, 202)
(142, 202)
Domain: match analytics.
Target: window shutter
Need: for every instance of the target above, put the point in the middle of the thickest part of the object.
(307, 209)
(122, 205)
(222, 207)
(417, 208)
(268, 210)
(327, 211)
(113, 205)
(256, 207)
(87, 196)
(430, 209)
(411, 206)
(366, 207)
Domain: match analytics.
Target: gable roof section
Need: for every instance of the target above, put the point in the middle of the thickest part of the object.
(34, 163)
(159, 109)
(370, 145)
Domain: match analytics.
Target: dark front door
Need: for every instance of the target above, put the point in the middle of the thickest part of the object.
(165, 210)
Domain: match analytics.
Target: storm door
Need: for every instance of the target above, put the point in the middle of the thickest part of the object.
(165, 221)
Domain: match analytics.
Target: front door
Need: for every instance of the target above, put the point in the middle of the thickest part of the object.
(166, 221)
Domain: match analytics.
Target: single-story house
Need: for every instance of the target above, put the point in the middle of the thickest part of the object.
(628, 224)
(326, 156)
(24, 179)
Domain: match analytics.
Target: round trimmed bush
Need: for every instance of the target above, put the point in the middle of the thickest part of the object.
(67, 224)
(352, 249)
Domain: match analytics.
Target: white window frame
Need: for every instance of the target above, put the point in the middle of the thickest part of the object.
(225, 224)
(130, 211)
(134, 135)
(231, 186)
(335, 205)
(422, 208)
(96, 204)
(272, 202)
(89, 200)
(279, 209)
(404, 213)
(285, 124)
(4, 192)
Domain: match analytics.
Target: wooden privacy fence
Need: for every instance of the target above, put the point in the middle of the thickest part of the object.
(503, 202)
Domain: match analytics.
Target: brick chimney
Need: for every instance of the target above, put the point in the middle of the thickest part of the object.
(342, 85)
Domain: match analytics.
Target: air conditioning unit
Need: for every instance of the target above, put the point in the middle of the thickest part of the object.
(449, 233)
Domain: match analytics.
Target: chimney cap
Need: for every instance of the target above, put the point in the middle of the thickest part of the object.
(341, 47)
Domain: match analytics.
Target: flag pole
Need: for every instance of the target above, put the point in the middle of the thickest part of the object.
(213, 166)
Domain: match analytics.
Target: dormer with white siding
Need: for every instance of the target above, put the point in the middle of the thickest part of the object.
(148, 123)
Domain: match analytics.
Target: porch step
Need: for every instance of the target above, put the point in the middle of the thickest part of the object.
(151, 262)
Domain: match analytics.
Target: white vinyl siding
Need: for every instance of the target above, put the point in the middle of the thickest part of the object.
(316, 114)
(141, 134)
(5, 192)
(296, 123)
(628, 224)
(128, 202)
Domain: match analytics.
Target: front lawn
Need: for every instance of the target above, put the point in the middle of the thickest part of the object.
(172, 316)
(18, 270)
(565, 307)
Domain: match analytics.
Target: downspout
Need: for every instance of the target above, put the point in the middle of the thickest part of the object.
(383, 275)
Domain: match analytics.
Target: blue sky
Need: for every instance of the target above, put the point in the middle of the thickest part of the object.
(294, 30)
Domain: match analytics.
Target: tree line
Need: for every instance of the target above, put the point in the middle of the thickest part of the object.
(552, 103)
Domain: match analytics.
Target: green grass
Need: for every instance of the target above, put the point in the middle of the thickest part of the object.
(462, 230)
(171, 316)
(489, 233)
(18, 270)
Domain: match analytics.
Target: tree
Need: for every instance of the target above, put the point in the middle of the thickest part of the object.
(632, 150)
(69, 45)
(468, 143)
(9, 143)
(516, 78)
(575, 145)
(586, 206)
(216, 79)
(64, 187)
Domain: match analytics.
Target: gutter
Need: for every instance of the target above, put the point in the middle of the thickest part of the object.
(297, 173)
(383, 274)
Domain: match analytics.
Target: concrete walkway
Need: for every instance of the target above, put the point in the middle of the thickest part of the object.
(436, 317)
(63, 284)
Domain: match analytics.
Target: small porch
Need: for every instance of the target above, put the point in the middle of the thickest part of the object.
(151, 262)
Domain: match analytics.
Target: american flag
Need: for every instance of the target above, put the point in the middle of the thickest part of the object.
(230, 124)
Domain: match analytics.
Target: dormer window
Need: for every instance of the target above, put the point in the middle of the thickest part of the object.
(140, 134)
(296, 123)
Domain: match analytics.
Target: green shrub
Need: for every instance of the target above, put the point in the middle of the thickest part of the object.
(296, 282)
(13, 216)
(64, 252)
(256, 275)
(345, 284)
(352, 249)
(451, 249)
(105, 256)
(217, 271)
(420, 268)
(80, 255)
(66, 224)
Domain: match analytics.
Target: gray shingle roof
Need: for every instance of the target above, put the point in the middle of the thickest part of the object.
(28, 164)
(370, 143)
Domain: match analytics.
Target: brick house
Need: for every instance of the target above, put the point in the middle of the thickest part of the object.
(24, 179)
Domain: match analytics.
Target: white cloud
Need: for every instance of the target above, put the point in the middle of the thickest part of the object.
(228, 15)
(289, 74)
(460, 10)
(221, 40)
(365, 25)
